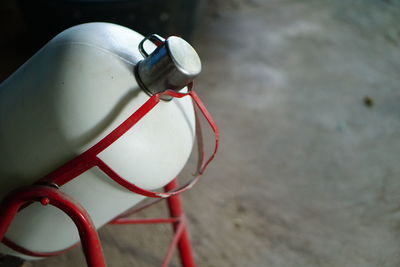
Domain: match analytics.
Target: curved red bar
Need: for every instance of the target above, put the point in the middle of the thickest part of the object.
(87, 231)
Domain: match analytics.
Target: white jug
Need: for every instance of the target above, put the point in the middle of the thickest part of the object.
(68, 96)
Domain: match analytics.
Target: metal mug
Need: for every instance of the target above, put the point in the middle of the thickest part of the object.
(172, 65)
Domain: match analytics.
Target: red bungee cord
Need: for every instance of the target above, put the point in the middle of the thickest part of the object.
(90, 159)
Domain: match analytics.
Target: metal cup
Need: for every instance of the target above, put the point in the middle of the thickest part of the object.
(172, 65)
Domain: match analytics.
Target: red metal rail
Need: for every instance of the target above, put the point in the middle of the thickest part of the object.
(47, 195)
(91, 245)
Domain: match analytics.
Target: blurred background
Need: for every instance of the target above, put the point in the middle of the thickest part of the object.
(307, 97)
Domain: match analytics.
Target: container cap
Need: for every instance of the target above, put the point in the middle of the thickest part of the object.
(172, 65)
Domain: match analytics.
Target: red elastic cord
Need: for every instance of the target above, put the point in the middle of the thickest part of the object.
(90, 158)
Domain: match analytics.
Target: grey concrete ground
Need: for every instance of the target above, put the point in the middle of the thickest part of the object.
(307, 173)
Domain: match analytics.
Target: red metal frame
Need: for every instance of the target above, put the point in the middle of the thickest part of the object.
(177, 218)
(91, 245)
(49, 194)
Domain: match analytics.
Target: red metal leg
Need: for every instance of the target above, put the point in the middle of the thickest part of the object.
(177, 218)
(48, 195)
(176, 211)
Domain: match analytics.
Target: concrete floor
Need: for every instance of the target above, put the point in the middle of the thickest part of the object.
(307, 174)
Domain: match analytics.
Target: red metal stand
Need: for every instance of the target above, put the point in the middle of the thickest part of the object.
(177, 218)
(176, 211)
(91, 245)
(50, 194)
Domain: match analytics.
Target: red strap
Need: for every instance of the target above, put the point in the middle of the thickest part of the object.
(213, 126)
(89, 158)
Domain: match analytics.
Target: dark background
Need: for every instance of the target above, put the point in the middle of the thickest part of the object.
(27, 25)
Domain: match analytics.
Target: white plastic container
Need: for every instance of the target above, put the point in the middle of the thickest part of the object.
(68, 96)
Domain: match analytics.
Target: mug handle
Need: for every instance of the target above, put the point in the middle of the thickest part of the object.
(156, 39)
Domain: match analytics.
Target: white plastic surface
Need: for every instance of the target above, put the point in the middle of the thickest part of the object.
(63, 100)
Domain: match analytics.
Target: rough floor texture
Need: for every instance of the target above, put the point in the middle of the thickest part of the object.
(307, 173)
